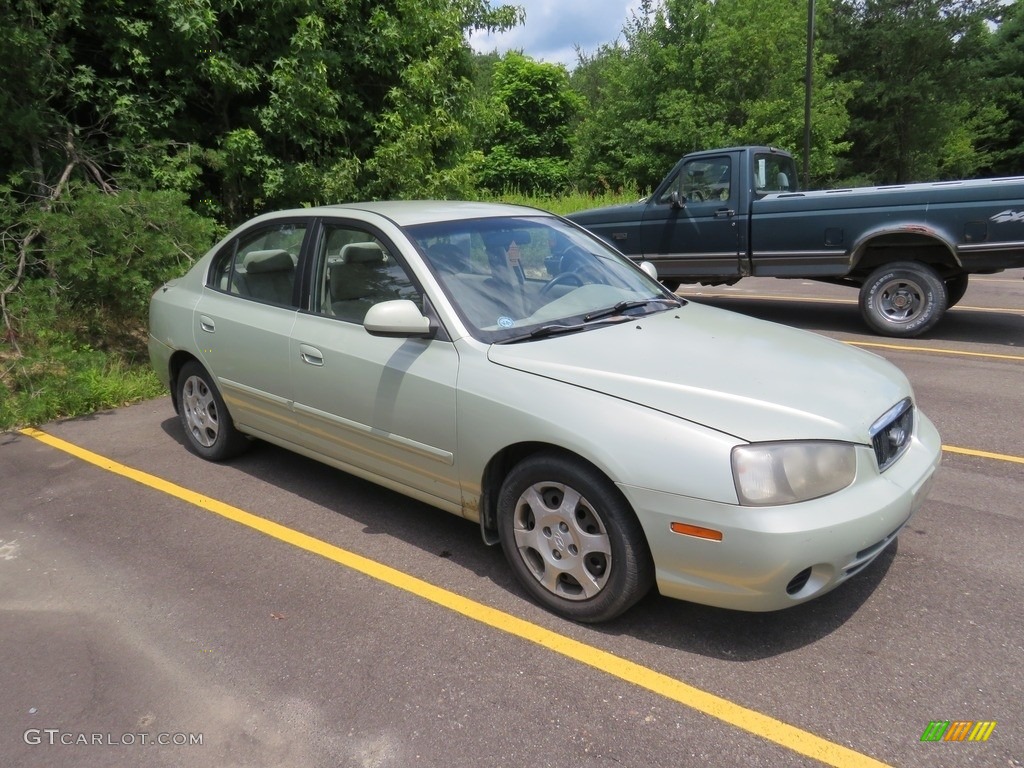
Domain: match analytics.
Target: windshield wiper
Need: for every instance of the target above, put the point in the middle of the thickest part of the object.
(557, 328)
(621, 307)
(609, 316)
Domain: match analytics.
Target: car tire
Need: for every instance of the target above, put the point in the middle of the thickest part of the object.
(956, 287)
(209, 430)
(904, 299)
(572, 539)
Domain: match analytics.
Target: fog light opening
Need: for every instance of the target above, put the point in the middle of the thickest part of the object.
(798, 582)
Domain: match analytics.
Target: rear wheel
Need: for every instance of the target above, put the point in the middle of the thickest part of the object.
(956, 287)
(572, 540)
(903, 299)
(209, 430)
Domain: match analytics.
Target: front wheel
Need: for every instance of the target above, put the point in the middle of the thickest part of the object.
(209, 430)
(904, 299)
(572, 540)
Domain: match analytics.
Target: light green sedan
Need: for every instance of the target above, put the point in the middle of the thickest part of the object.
(502, 364)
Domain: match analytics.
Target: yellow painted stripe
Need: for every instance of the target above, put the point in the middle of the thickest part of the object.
(776, 731)
(934, 350)
(819, 300)
(765, 297)
(983, 454)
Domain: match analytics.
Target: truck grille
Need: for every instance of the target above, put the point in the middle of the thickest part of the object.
(891, 434)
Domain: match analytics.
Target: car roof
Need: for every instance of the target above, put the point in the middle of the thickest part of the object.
(412, 212)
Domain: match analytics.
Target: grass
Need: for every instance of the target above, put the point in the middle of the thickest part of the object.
(571, 202)
(52, 383)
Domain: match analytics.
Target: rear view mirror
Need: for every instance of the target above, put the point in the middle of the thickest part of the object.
(649, 269)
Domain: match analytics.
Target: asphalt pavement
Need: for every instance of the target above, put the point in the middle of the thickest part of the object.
(275, 612)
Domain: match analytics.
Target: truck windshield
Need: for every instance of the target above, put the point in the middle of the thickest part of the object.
(774, 173)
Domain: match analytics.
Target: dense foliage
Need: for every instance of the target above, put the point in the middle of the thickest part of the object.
(133, 133)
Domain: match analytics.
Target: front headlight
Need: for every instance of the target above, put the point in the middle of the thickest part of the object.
(767, 474)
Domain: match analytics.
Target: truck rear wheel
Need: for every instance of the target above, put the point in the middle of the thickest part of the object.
(903, 299)
(956, 287)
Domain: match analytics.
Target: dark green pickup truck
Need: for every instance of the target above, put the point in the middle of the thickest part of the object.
(725, 214)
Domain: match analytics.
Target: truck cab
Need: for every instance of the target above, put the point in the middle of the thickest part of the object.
(697, 220)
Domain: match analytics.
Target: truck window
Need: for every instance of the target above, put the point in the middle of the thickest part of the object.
(701, 180)
(774, 173)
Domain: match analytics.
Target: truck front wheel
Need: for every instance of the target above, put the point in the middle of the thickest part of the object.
(903, 299)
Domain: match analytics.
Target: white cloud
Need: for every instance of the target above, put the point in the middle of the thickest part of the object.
(555, 28)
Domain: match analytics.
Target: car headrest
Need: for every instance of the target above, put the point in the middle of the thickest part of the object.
(273, 260)
(362, 253)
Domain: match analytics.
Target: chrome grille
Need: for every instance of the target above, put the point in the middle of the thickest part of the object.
(891, 434)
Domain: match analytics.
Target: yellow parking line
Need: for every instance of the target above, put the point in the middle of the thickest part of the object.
(819, 300)
(935, 350)
(983, 454)
(813, 299)
(751, 721)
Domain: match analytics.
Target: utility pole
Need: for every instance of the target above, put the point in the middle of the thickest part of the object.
(808, 83)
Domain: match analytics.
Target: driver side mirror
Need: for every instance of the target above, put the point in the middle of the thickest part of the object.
(649, 269)
(677, 200)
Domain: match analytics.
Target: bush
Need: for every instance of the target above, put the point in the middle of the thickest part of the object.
(109, 252)
(77, 336)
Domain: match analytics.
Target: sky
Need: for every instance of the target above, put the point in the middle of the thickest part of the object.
(554, 28)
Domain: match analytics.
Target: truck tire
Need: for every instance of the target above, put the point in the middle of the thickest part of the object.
(903, 299)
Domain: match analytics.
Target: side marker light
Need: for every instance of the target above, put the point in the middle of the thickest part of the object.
(695, 530)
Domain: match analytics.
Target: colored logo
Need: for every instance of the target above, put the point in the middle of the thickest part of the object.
(958, 730)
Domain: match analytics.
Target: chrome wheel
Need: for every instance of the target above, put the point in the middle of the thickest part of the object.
(199, 409)
(900, 300)
(562, 540)
(571, 538)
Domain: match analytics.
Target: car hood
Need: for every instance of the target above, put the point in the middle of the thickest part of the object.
(751, 379)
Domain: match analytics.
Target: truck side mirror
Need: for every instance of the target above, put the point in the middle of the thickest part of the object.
(676, 200)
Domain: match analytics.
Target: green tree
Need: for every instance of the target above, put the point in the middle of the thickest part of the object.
(127, 127)
(1004, 69)
(920, 102)
(696, 74)
(529, 142)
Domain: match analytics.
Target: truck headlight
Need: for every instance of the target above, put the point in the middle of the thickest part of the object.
(767, 474)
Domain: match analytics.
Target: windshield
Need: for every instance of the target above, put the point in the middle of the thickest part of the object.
(509, 277)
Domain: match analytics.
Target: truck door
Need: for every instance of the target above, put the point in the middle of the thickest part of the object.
(690, 226)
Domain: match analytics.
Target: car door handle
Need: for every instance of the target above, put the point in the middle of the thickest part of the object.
(722, 213)
(207, 324)
(311, 355)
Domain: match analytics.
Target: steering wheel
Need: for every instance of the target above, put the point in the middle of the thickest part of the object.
(564, 277)
(697, 195)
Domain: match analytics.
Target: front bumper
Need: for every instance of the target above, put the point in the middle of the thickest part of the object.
(777, 557)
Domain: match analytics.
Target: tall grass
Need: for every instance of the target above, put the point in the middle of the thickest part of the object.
(62, 381)
(571, 202)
